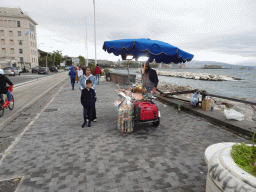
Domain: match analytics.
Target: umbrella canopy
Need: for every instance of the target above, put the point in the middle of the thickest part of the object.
(158, 50)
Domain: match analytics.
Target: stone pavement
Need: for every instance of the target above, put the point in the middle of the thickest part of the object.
(56, 154)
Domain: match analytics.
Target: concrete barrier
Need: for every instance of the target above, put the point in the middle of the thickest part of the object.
(122, 79)
(223, 173)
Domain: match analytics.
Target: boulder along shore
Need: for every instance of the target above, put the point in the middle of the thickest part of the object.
(196, 76)
(219, 104)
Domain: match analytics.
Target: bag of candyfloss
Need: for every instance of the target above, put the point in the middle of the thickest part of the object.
(207, 104)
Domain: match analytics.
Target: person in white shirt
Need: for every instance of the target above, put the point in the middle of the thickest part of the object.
(80, 72)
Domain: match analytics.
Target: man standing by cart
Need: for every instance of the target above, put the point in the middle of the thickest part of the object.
(150, 79)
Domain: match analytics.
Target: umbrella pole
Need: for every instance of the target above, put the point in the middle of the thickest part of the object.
(128, 74)
(142, 73)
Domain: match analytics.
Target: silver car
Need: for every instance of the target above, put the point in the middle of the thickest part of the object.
(9, 71)
(17, 70)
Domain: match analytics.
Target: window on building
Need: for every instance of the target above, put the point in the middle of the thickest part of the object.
(1, 32)
(5, 23)
(9, 23)
(18, 23)
(1, 23)
(11, 42)
(20, 42)
(13, 23)
(12, 50)
(21, 59)
(2, 42)
(21, 51)
(31, 27)
(11, 33)
(19, 33)
(3, 51)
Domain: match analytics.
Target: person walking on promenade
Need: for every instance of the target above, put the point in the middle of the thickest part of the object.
(88, 99)
(72, 74)
(82, 85)
(77, 79)
(97, 73)
(80, 72)
(150, 79)
(4, 89)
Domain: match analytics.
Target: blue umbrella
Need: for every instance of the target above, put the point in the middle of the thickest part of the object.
(153, 49)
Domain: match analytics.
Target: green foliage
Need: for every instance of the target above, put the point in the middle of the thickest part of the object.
(58, 58)
(92, 65)
(81, 60)
(244, 156)
(69, 61)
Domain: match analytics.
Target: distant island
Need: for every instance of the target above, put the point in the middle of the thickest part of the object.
(212, 67)
(201, 64)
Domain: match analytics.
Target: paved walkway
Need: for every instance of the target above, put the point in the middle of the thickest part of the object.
(56, 154)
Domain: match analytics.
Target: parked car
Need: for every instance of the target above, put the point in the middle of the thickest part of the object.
(35, 70)
(43, 70)
(9, 71)
(53, 69)
(17, 70)
(67, 68)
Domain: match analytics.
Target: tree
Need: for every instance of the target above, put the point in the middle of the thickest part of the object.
(81, 60)
(69, 61)
(58, 58)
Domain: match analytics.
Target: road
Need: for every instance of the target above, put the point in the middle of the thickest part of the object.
(25, 77)
(25, 95)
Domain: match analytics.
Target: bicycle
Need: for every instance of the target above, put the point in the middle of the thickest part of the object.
(3, 102)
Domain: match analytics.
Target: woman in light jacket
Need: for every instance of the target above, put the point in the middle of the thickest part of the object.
(82, 85)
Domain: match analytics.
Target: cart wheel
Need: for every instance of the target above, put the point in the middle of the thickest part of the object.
(155, 124)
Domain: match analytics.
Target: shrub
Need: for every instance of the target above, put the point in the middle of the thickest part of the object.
(245, 157)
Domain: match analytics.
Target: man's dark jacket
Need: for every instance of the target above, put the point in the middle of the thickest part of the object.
(153, 77)
(88, 98)
(3, 81)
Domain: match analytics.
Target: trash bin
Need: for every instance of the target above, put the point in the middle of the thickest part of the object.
(108, 78)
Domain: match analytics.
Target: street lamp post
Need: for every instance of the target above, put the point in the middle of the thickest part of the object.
(47, 59)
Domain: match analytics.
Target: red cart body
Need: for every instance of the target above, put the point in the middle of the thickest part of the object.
(145, 111)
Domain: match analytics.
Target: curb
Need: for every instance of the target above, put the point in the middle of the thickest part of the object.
(17, 113)
(215, 117)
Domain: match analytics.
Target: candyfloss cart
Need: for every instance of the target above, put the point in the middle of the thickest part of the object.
(125, 121)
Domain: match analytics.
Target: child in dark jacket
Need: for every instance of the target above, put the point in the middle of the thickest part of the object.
(88, 99)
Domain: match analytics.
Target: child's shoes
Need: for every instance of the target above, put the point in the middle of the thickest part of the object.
(84, 124)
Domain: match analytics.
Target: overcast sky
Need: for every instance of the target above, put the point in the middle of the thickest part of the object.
(212, 30)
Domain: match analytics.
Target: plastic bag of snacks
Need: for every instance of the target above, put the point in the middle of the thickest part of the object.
(125, 120)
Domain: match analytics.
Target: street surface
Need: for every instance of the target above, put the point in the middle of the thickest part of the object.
(55, 154)
(28, 93)
(24, 77)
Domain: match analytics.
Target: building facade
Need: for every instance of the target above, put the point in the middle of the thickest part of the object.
(18, 38)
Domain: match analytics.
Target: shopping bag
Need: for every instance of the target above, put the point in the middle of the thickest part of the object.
(207, 104)
(194, 99)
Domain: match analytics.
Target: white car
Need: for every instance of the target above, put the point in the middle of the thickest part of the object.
(8, 71)
(17, 70)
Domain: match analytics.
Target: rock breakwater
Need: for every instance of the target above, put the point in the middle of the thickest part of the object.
(196, 76)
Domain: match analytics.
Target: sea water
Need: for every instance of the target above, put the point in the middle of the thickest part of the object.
(245, 88)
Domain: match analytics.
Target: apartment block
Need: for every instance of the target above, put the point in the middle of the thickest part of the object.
(18, 46)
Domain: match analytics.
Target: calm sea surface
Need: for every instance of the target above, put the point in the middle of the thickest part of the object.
(245, 88)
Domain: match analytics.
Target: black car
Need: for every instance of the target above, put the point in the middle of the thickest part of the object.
(53, 69)
(43, 70)
(35, 70)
